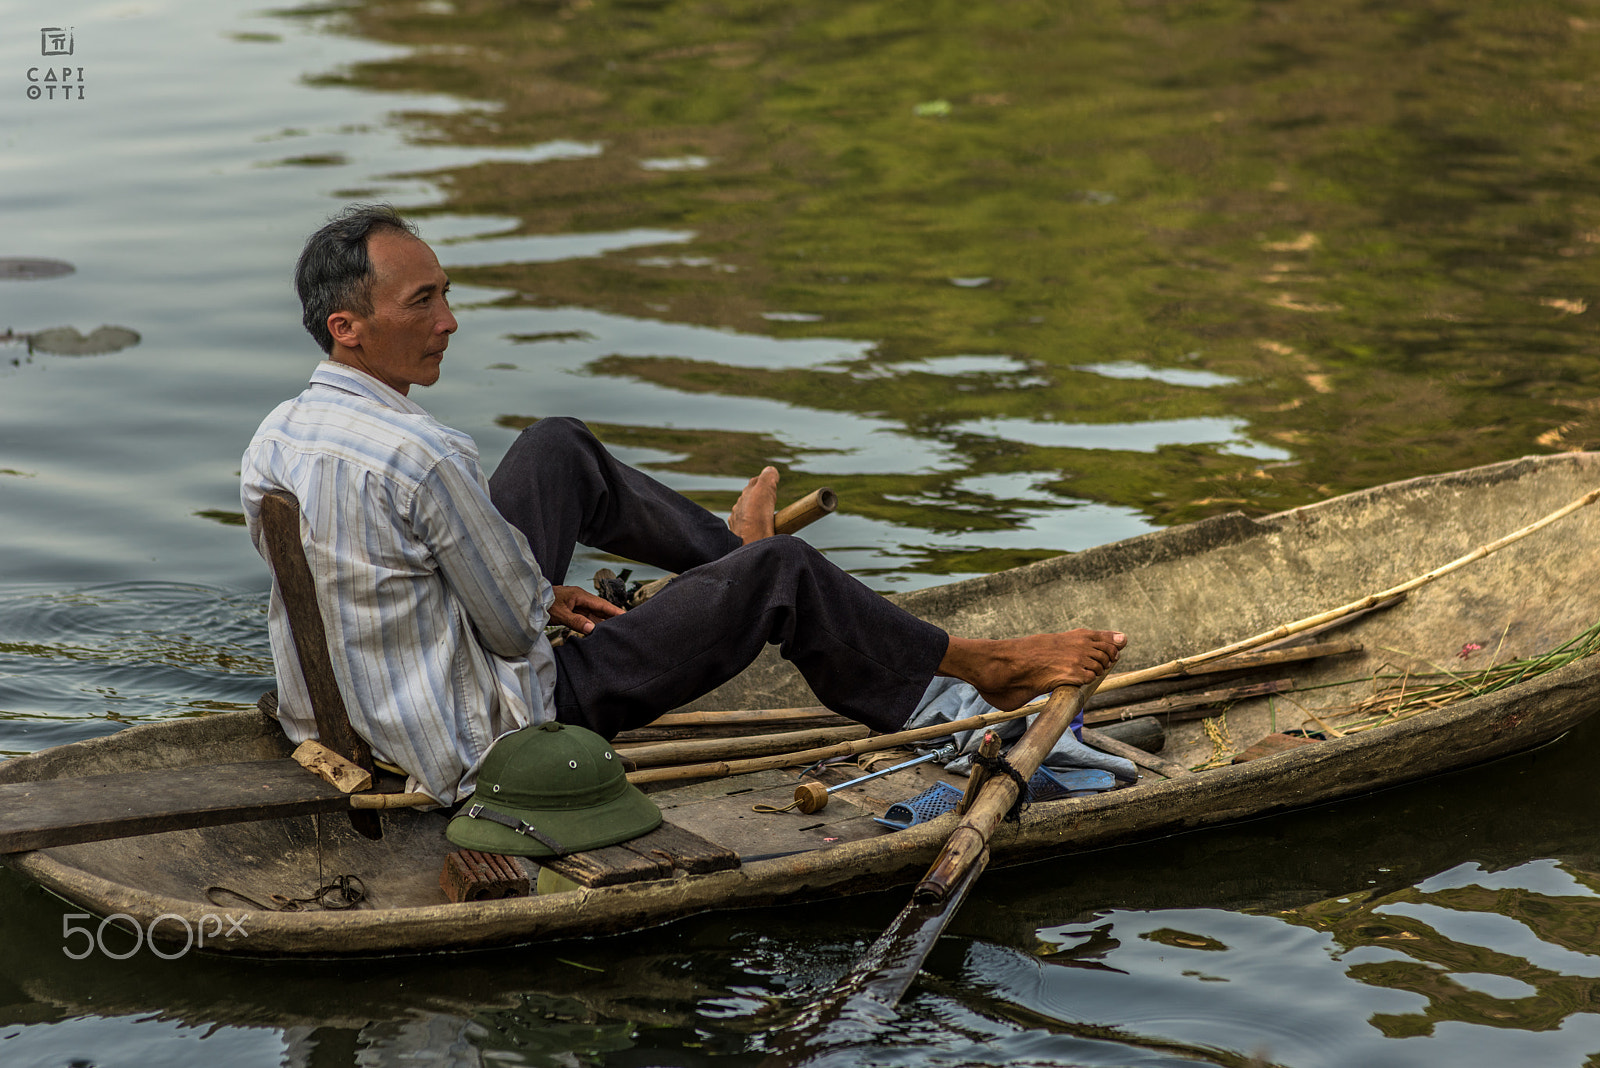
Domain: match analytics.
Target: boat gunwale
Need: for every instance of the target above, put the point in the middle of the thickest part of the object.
(1215, 532)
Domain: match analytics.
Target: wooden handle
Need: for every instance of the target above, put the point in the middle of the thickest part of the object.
(807, 510)
(989, 748)
(811, 797)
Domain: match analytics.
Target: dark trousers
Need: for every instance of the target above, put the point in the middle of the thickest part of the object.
(860, 654)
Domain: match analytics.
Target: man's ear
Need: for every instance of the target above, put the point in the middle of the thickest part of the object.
(345, 329)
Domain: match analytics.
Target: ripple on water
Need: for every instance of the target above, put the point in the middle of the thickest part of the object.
(83, 662)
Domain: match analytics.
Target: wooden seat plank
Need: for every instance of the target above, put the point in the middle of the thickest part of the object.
(652, 856)
(57, 812)
(608, 866)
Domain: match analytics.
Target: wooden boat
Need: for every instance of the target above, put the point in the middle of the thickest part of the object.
(1176, 592)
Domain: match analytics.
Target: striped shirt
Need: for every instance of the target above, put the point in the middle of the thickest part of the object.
(434, 606)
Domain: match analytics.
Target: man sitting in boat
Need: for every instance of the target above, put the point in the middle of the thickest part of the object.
(436, 584)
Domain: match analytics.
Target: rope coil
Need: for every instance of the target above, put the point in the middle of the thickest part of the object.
(1000, 764)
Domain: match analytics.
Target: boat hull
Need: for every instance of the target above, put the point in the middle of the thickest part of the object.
(1177, 592)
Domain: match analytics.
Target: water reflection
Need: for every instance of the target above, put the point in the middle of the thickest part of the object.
(1302, 298)
(1491, 967)
(1013, 279)
(1521, 952)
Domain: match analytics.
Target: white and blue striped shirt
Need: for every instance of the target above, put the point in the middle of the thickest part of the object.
(434, 606)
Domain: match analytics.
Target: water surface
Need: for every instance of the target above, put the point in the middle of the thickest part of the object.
(1014, 278)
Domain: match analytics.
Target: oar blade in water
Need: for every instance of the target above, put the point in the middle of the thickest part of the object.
(853, 1011)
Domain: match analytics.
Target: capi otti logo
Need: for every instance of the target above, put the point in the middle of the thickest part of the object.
(53, 82)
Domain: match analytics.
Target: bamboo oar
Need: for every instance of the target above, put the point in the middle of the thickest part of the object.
(883, 974)
(969, 841)
(722, 769)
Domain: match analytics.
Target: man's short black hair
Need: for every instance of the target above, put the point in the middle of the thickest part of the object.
(334, 272)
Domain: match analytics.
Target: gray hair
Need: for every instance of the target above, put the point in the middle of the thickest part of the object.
(334, 272)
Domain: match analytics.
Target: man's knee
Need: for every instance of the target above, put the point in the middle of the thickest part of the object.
(781, 553)
(554, 443)
(558, 432)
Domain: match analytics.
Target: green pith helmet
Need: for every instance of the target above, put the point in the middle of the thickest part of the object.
(550, 790)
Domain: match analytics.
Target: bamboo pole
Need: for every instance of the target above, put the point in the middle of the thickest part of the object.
(1187, 705)
(807, 510)
(745, 718)
(722, 769)
(378, 801)
(1234, 667)
(658, 754)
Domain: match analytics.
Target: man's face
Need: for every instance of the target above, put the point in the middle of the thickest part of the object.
(402, 342)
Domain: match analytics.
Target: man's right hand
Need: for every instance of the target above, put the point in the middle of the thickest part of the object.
(579, 609)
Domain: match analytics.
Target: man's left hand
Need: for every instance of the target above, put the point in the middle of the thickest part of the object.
(579, 609)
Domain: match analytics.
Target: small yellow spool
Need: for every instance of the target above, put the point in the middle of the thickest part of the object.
(811, 797)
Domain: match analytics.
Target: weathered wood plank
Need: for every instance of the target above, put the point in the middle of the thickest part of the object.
(651, 856)
(1272, 745)
(689, 851)
(280, 527)
(469, 875)
(280, 523)
(609, 866)
(56, 812)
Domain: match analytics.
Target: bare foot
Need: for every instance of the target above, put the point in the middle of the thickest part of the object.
(1010, 672)
(751, 518)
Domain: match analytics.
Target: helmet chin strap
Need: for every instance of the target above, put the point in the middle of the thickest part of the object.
(522, 827)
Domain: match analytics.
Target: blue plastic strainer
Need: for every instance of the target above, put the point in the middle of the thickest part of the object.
(931, 803)
(1046, 785)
